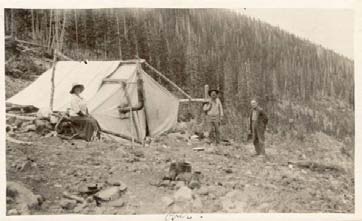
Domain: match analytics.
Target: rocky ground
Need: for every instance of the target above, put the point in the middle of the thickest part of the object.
(308, 173)
(55, 176)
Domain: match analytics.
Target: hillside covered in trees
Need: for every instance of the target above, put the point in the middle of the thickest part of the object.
(294, 80)
(306, 90)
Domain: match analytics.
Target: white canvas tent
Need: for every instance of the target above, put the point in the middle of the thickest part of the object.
(104, 93)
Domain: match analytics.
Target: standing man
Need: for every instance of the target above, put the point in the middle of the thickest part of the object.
(214, 114)
(258, 122)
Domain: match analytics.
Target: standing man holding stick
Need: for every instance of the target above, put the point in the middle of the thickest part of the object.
(258, 122)
(214, 114)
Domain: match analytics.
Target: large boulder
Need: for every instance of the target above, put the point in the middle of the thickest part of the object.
(109, 194)
(23, 199)
(183, 194)
(117, 203)
(68, 204)
(234, 202)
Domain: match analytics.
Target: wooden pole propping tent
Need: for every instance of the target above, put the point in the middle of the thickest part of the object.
(52, 81)
(168, 80)
(122, 136)
(189, 98)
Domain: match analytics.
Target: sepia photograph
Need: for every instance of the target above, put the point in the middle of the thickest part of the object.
(141, 111)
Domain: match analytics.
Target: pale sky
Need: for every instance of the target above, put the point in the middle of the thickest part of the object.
(331, 28)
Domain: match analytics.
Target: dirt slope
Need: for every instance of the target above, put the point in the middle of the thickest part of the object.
(318, 177)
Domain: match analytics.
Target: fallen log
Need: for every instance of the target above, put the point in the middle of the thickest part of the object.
(30, 43)
(318, 167)
(25, 109)
(72, 197)
(20, 117)
(13, 140)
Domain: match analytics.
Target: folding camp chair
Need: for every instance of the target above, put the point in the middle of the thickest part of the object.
(64, 128)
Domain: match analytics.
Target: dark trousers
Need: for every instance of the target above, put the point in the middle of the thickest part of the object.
(214, 128)
(259, 142)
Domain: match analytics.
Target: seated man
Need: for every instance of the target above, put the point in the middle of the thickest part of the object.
(85, 125)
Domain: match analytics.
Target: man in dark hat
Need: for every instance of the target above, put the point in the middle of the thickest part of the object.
(258, 122)
(214, 114)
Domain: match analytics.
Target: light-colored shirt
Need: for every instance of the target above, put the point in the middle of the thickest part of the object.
(216, 108)
(77, 104)
(254, 115)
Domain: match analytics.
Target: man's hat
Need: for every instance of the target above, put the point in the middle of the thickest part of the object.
(74, 85)
(210, 91)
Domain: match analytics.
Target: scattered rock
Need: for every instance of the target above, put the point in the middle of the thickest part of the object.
(212, 196)
(93, 186)
(13, 212)
(42, 126)
(179, 184)
(40, 199)
(195, 180)
(197, 204)
(90, 200)
(183, 194)
(203, 191)
(133, 159)
(30, 127)
(177, 137)
(228, 170)
(138, 153)
(22, 197)
(116, 182)
(198, 149)
(9, 200)
(25, 166)
(234, 201)
(52, 164)
(167, 201)
(111, 193)
(80, 208)
(117, 203)
(186, 177)
(122, 186)
(68, 204)
(263, 207)
(194, 137)
(58, 185)
(88, 189)
(164, 183)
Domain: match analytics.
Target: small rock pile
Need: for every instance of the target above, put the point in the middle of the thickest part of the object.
(187, 185)
(180, 173)
(92, 196)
